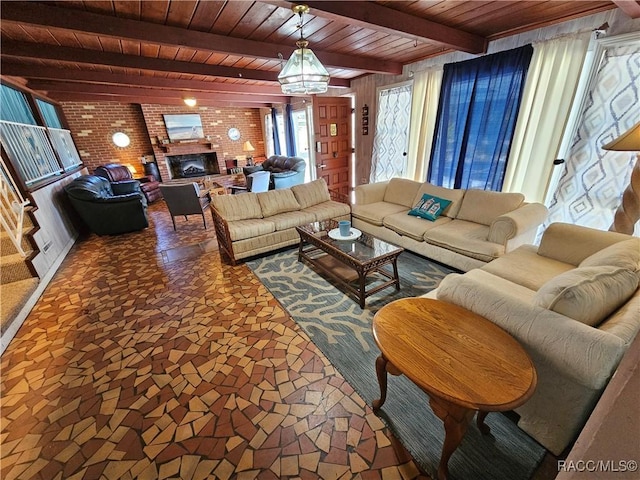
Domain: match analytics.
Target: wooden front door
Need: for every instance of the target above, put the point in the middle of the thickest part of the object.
(332, 125)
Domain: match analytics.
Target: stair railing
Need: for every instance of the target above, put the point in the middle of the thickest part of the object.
(12, 208)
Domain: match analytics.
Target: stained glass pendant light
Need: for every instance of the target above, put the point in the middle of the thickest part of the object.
(303, 72)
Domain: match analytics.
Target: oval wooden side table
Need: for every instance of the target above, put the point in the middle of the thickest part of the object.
(461, 360)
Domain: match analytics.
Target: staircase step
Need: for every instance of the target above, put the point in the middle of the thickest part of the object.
(13, 268)
(14, 296)
(6, 245)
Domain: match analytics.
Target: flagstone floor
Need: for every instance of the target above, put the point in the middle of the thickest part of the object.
(147, 357)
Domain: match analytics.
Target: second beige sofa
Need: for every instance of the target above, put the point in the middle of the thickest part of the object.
(477, 227)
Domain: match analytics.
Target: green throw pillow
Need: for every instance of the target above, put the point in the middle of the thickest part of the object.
(430, 207)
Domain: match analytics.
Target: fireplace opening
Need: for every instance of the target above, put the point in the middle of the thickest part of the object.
(193, 165)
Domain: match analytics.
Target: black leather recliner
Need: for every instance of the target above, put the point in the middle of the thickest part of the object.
(104, 212)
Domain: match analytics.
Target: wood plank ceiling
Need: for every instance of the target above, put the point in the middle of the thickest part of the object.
(229, 52)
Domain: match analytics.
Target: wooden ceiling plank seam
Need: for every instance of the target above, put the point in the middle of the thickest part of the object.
(310, 28)
(396, 22)
(180, 13)
(127, 9)
(362, 36)
(231, 14)
(505, 18)
(155, 11)
(206, 15)
(541, 23)
(285, 31)
(328, 42)
(258, 13)
(272, 24)
(165, 35)
(467, 15)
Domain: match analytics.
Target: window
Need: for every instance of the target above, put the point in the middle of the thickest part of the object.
(37, 152)
(60, 137)
(477, 112)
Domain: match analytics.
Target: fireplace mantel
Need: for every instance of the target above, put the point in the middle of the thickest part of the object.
(178, 147)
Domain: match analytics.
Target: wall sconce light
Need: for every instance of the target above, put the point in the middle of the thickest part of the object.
(628, 212)
(190, 102)
(121, 139)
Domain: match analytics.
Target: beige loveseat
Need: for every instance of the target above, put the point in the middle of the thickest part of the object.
(477, 227)
(574, 304)
(253, 223)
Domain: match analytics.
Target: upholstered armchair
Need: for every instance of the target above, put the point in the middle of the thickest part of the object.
(285, 171)
(119, 174)
(106, 212)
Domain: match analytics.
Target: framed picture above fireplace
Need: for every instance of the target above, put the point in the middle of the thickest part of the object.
(186, 126)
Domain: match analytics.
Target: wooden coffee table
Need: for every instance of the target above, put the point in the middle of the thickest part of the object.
(461, 360)
(350, 262)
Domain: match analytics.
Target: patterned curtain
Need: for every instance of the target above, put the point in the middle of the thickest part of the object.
(591, 185)
(479, 104)
(390, 145)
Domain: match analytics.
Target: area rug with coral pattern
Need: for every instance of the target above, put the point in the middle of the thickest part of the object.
(342, 330)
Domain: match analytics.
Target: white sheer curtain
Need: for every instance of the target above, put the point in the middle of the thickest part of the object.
(424, 110)
(546, 103)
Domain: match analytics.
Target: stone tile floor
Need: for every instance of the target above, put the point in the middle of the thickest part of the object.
(147, 357)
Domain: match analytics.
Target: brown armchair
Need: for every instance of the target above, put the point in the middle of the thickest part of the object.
(118, 174)
(185, 199)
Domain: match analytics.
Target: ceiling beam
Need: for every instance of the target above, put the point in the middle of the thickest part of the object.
(378, 17)
(38, 72)
(630, 7)
(50, 86)
(12, 48)
(31, 13)
(88, 97)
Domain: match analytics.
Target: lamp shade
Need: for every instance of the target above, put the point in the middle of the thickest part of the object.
(247, 147)
(303, 73)
(629, 141)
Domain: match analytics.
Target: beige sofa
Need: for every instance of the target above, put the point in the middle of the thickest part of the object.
(476, 228)
(574, 304)
(253, 223)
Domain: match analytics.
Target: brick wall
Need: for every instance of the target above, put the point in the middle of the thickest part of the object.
(216, 122)
(93, 124)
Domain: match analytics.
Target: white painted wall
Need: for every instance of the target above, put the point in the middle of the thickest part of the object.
(57, 233)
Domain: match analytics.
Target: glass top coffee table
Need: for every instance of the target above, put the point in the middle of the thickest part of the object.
(350, 262)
